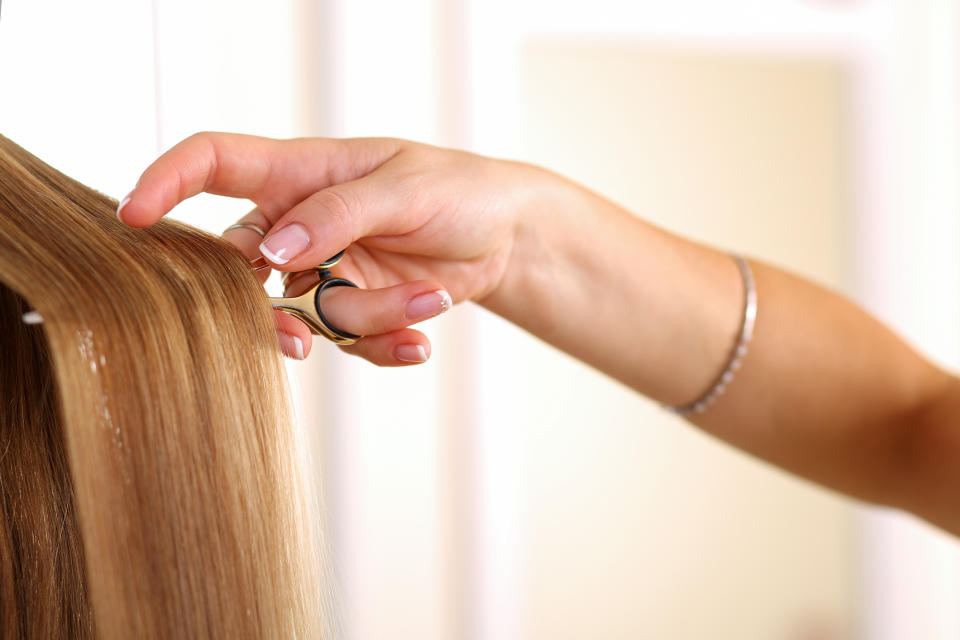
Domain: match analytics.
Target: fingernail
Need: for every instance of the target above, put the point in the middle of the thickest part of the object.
(410, 353)
(283, 245)
(292, 346)
(427, 305)
(123, 203)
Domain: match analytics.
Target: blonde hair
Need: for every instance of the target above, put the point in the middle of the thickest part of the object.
(149, 480)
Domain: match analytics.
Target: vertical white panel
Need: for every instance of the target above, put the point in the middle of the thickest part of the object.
(908, 256)
(223, 65)
(374, 72)
(496, 30)
(389, 69)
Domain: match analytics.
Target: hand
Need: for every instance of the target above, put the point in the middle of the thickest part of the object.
(423, 226)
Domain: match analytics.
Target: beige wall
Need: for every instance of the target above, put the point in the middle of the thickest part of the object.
(640, 526)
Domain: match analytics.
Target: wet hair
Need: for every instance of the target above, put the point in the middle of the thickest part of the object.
(150, 482)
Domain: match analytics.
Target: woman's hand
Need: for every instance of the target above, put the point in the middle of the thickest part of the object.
(423, 227)
(825, 391)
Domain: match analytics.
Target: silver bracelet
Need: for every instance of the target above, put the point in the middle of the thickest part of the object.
(720, 385)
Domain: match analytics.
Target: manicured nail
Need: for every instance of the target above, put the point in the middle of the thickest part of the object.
(123, 203)
(410, 353)
(291, 346)
(283, 245)
(427, 305)
(298, 348)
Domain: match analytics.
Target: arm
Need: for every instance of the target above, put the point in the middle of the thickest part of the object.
(825, 391)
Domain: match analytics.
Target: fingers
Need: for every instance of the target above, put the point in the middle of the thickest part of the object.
(394, 349)
(224, 164)
(370, 312)
(247, 232)
(276, 174)
(246, 235)
(379, 204)
(380, 315)
(295, 338)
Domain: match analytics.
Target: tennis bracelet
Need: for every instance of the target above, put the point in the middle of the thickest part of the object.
(726, 376)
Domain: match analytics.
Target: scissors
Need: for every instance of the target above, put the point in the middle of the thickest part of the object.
(306, 306)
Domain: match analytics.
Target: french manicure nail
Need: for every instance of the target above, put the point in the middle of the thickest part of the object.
(123, 203)
(283, 245)
(410, 353)
(427, 305)
(292, 346)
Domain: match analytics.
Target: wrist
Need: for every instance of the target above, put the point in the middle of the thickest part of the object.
(593, 280)
(546, 207)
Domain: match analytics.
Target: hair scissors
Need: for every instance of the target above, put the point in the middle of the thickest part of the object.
(306, 306)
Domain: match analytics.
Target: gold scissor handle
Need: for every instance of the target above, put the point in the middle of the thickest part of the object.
(306, 307)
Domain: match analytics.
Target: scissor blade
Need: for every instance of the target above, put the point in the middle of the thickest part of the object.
(259, 264)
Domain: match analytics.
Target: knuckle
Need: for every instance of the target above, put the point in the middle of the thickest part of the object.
(336, 207)
(369, 314)
(385, 311)
(201, 136)
(383, 321)
(202, 147)
(256, 216)
(337, 202)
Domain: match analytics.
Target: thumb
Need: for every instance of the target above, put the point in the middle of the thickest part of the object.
(331, 219)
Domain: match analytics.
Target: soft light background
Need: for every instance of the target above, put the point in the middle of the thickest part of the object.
(503, 491)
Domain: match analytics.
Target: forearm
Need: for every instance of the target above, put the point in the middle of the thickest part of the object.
(825, 391)
(650, 309)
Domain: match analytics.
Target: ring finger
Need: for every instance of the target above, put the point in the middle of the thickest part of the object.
(247, 233)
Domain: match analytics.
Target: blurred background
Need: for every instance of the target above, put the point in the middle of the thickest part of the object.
(504, 491)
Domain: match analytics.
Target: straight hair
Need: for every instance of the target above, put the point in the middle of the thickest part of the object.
(150, 482)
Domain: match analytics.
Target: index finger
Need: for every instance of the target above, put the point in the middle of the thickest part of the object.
(275, 174)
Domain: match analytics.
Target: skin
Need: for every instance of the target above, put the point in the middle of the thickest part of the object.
(825, 392)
